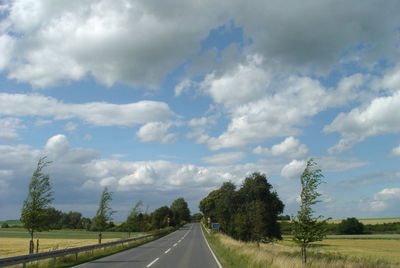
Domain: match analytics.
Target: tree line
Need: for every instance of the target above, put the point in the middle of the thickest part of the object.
(351, 226)
(37, 214)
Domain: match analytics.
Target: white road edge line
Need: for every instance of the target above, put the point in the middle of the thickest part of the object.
(215, 257)
(151, 263)
(168, 250)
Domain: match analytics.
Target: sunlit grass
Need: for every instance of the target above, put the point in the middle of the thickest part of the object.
(328, 253)
(20, 246)
(15, 241)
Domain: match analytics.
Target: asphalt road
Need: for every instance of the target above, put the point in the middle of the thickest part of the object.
(183, 248)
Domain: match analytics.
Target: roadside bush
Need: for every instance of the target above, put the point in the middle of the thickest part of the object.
(4, 225)
(351, 226)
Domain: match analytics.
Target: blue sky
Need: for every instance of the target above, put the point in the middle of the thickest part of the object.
(160, 101)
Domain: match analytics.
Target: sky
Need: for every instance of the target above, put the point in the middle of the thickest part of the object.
(165, 99)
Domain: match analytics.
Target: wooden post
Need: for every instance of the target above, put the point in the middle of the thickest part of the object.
(303, 254)
(76, 256)
(37, 246)
(31, 246)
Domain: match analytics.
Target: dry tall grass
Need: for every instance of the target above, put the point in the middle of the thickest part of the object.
(19, 246)
(275, 255)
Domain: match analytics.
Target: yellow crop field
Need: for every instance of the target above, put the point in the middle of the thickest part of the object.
(370, 251)
(363, 248)
(19, 246)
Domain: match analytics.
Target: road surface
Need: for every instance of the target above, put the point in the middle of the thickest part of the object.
(183, 248)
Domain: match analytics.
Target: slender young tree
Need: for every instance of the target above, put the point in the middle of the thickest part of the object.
(306, 227)
(34, 210)
(133, 222)
(104, 213)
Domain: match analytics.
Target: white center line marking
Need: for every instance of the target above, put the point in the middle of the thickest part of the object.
(151, 263)
(168, 250)
(175, 244)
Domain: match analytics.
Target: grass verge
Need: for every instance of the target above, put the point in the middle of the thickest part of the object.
(235, 254)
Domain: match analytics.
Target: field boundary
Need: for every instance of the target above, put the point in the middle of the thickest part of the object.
(23, 259)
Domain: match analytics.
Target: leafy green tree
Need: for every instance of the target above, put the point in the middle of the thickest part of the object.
(33, 213)
(208, 205)
(134, 221)
(262, 206)
(54, 217)
(221, 205)
(180, 211)
(85, 223)
(351, 226)
(71, 220)
(104, 213)
(306, 227)
(226, 207)
(159, 217)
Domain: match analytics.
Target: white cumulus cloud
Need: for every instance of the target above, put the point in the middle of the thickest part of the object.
(6, 47)
(385, 199)
(224, 158)
(294, 169)
(132, 42)
(247, 82)
(8, 128)
(378, 117)
(156, 131)
(57, 146)
(396, 151)
(70, 127)
(96, 113)
(290, 147)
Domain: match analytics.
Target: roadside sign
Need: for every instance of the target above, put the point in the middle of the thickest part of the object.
(215, 226)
